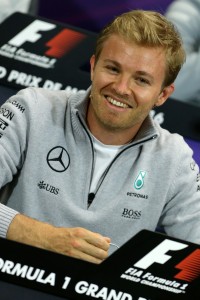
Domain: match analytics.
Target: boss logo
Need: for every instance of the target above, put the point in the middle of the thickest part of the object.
(131, 214)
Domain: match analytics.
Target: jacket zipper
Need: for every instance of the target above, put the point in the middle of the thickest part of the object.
(91, 196)
(116, 157)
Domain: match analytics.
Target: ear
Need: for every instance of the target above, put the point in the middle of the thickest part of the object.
(165, 94)
(92, 64)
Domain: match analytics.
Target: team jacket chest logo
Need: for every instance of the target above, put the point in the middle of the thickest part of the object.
(138, 185)
(58, 159)
(139, 181)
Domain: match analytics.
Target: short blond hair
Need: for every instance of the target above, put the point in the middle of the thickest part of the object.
(149, 29)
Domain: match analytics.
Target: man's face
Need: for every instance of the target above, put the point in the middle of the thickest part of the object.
(126, 83)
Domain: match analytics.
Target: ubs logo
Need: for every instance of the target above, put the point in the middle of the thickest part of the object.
(58, 159)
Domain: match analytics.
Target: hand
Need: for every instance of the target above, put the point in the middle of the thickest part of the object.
(79, 243)
(75, 242)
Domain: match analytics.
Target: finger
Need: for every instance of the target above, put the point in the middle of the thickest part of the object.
(98, 240)
(87, 244)
(97, 250)
(91, 246)
(89, 255)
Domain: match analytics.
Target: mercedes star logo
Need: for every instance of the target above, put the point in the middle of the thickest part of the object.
(58, 159)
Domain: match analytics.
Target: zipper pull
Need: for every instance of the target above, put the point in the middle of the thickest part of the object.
(90, 198)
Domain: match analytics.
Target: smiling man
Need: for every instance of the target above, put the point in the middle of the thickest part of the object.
(104, 169)
(125, 87)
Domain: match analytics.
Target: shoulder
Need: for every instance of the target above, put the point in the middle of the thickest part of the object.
(41, 99)
(172, 143)
(40, 95)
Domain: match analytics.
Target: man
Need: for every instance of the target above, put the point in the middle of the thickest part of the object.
(8, 7)
(185, 14)
(82, 173)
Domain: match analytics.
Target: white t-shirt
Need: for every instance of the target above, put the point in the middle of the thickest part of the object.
(104, 154)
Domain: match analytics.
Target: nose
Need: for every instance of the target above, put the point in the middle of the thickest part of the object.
(122, 85)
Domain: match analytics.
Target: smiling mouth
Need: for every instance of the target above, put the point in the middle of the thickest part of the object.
(116, 103)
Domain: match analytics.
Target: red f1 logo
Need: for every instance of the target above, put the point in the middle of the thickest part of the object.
(63, 42)
(190, 267)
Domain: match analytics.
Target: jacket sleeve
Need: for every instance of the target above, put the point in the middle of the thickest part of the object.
(6, 216)
(185, 14)
(14, 116)
(181, 214)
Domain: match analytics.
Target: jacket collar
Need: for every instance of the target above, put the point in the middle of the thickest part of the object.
(147, 130)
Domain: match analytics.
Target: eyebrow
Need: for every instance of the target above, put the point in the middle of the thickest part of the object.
(112, 61)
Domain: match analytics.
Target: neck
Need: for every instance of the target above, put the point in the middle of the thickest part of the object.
(111, 136)
(114, 139)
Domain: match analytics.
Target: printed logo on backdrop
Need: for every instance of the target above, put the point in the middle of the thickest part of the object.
(39, 53)
(58, 46)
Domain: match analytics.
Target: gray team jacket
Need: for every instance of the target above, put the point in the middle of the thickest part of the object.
(46, 166)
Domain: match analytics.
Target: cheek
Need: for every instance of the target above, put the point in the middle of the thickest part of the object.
(99, 82)
(146, 97)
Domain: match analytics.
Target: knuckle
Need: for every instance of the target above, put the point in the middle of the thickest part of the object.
(75, 243)
(78, 232)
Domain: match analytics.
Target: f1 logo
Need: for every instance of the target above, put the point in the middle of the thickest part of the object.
(30, 33)
(190, 266)
(158, 254)
(58, 46)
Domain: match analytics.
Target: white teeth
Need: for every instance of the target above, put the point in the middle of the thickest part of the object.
(117, 103)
